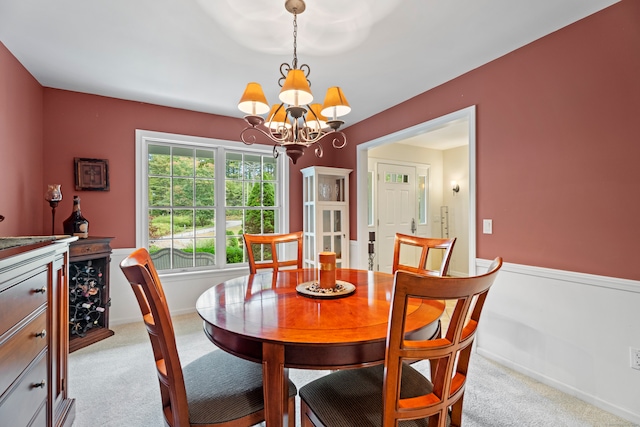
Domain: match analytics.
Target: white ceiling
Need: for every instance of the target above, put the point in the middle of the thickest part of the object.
(199, 54)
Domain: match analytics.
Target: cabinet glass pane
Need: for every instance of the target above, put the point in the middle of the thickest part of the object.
(312, 248)
(308, 191)
(311, 190)
(326, 243)
(312, 220)
(337, 223)
(326, 221)
(337, 246)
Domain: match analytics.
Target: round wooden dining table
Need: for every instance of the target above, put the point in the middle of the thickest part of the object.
(263, 318)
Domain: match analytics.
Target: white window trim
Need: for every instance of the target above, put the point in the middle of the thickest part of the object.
(144, 137)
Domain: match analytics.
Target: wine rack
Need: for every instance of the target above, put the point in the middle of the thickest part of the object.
(89, 301)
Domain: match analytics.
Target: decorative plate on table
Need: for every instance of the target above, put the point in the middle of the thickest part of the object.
(311, 289)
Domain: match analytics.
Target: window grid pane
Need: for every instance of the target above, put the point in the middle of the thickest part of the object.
(251, 189)
(177, 231)
(182, 208)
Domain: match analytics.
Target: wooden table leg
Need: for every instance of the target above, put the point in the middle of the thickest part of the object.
(275, 379)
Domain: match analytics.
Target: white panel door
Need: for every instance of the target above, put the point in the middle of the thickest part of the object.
(396, 210)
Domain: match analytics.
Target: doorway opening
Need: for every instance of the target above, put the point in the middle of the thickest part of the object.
(460, 206)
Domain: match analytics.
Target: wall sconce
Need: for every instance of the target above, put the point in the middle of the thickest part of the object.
(455, 187)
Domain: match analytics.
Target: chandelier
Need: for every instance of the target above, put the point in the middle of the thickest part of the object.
(295, 123)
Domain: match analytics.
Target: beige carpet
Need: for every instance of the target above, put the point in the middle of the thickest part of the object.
(115, 385)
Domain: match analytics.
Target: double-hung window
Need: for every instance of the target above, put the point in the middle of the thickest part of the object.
(197, 196)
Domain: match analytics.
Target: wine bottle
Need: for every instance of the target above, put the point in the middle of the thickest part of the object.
(76, 224)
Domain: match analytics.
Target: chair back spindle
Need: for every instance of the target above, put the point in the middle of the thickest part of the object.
(426, 245)
(257, 244)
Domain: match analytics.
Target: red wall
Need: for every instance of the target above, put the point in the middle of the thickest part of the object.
(21, 189)
(82, 125)
(558, 146)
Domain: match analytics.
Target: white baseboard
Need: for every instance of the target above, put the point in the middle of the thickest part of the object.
(565, 388)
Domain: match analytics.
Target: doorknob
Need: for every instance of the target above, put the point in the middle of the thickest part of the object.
(413, 225)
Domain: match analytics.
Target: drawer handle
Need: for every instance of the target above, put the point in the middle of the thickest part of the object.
(41, 334)
(42, 290)
(41, 384)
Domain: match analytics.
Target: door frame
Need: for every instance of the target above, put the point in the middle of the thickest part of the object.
(468, 114)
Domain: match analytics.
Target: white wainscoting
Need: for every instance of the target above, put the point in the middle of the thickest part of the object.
(356, 260)
(569, 330)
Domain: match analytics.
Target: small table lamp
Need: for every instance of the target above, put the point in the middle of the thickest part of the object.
(53, 195)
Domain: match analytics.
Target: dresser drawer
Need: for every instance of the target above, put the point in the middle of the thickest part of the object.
(90, 246)
(21, 299)
(18, 406)
(18, 350)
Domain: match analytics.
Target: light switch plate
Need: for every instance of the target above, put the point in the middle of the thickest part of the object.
(487, 226)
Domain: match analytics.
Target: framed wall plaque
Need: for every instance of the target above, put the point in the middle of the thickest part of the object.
(91, 174)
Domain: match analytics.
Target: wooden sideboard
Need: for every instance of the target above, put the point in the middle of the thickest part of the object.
(34, 335)
(89, 300)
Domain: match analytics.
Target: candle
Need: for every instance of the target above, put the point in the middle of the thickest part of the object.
(327, 270)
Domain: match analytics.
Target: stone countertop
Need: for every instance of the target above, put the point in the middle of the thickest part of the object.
(17, 241)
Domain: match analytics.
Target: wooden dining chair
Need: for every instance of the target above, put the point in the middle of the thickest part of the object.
(425, 244)
(384, 395)
(256, 251)
(218, 389)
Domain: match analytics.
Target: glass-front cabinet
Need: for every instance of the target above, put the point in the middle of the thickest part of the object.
(325, 214)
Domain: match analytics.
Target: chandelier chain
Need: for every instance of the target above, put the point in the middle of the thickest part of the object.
(295, 39)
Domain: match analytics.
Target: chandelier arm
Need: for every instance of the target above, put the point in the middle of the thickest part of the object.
(318, 151)
(308, 136)
(279, 133)
(339, 139)
(248, 135)
(284, 70)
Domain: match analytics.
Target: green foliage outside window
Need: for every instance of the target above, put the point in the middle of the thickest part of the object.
(182, 206)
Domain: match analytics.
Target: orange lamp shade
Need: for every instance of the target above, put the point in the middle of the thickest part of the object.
(296, 90)
(253, 100)
(277, 117)
(335, 103)
(313, 121)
